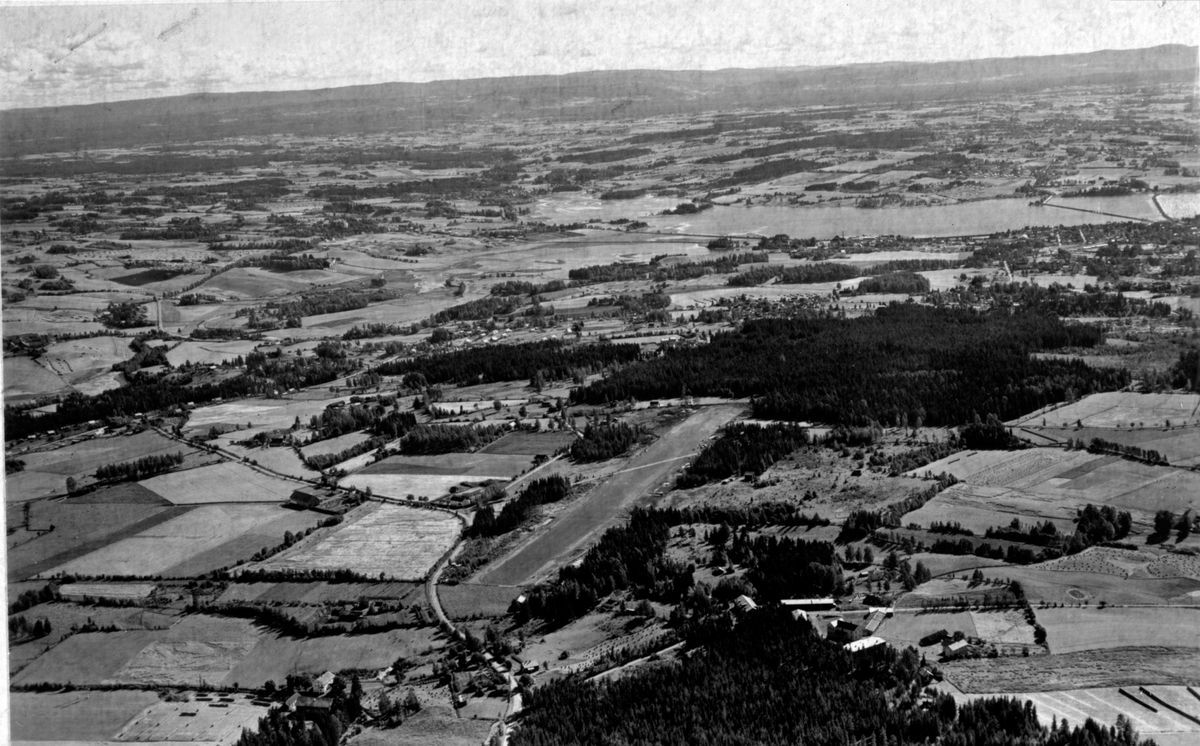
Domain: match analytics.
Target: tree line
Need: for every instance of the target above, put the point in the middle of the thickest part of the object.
(743, 448)
(489, 364)
(604, 440)
(518, 510)
(906, 364)
(142, 468)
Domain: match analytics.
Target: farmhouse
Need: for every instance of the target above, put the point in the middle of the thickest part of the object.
(843, 631)
(308, 707)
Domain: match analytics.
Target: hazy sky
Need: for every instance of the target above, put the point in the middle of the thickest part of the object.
(85, 53)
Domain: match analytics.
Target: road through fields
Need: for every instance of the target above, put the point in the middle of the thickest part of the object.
(607, 502)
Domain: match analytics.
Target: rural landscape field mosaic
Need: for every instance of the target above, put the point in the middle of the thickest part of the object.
(328, 428)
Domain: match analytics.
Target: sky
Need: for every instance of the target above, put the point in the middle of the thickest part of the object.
(56, 54)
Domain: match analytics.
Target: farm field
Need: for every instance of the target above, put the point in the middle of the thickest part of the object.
(474, 466)
(469, 600)
(208, 353)
(281, 459)
(23, 378)
(1179, 205)
(1179, 445)
(65, 616)
(203, 539)
(274, 657)
(77, 360)
(212, 720)
(432, 726)
(1068, 588)
(408, 486)
(320, 592)
(1120, 409)
(267, 414)
(106, 590)
(225, 482)
(334, 445)
(44, 468)
(1140, 666)
(383, 540)
(529, 444)
(1072, 630)
(1104, 704)
(79, 716)
(79, 528)
(1051, 484)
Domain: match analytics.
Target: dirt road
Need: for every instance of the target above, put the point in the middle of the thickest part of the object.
(606, 503)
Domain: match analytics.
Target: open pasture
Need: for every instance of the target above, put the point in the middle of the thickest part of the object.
(1144, 666)
(79, 716)
(253, 282)
(86, 658)
(79, 359)
(1180, 446)
(79, 529)
(331, 446)
(1105, 704)
(83, 458)
(1071, 630)
(274, 657)
(1121, 408)
(981, 508)
(472, 600)
(1015, 487)
(1006, 627)
(28, 320)
(224, 482)
(280, 459)
(65, 617)
(121, 591)
(259, 413)
(904, 629)
(1093, 586)
(209, 352)
(217, 722)
(994, 467)
(940, 564)
(472, 466)
(321, 592)
(432, 726)
(203, 539)
(199, 649)
(384, 540)
(404, 485)
(25, 379)
(530, 444)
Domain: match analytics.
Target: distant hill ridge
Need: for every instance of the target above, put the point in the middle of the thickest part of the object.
(621, 94)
